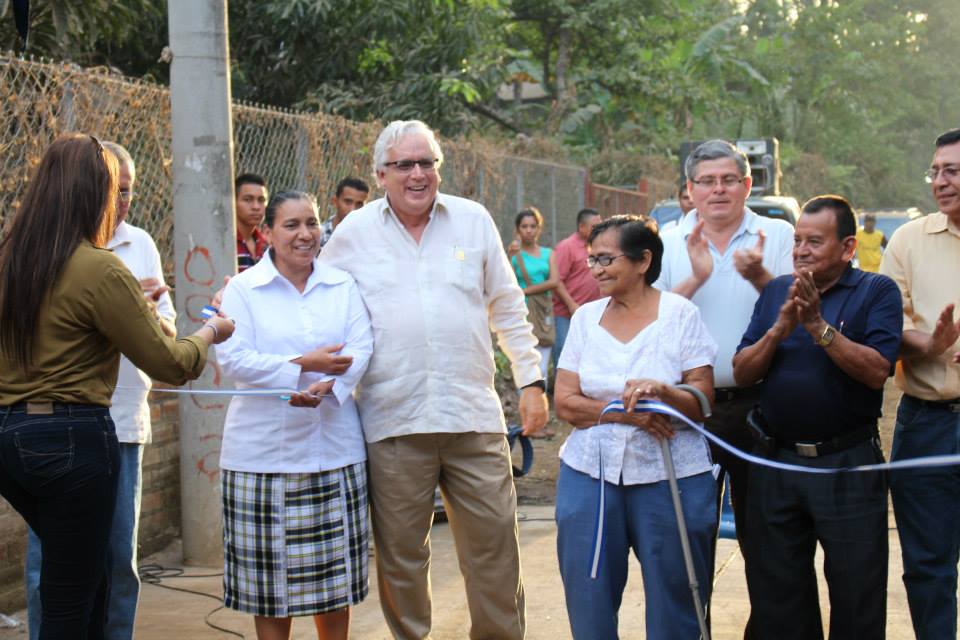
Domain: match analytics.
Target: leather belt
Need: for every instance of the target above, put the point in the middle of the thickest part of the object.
(944, 405)
(47, 408)
(826, 447)
(727, 394)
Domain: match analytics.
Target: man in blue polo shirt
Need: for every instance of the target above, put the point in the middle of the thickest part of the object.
(824, 341)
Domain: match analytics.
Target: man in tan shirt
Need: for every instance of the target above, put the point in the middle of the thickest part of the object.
(923, 257)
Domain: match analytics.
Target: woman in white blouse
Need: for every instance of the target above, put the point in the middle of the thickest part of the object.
(294, 477)
(635, 343)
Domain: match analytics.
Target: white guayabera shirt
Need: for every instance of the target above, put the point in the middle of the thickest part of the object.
(129, 407)
(675, 342)
(433, 305)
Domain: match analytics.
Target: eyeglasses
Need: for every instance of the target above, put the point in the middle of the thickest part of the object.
(950, 172)
(406, 166)
(125, 195)
(603, 261)
(710, 182)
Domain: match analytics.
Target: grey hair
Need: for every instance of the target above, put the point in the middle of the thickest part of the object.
(716, 150)
(396, 131)
(123, 156)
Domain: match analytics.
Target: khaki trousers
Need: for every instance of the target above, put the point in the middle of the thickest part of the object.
(474, 473)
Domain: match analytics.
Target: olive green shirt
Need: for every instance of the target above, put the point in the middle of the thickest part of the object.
(95, 311)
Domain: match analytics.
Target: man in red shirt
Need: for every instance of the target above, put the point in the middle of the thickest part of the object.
(577, 285)
(251, 194)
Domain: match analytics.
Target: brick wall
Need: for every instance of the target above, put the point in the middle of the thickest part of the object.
(159, 512)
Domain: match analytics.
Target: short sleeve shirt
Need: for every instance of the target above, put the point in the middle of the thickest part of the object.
(675, 342)
(806, 396)
(572, 270)
(245, 259)
(726, 299)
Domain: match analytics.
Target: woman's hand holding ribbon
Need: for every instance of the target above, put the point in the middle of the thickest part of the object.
(655, 424)
(313, 395)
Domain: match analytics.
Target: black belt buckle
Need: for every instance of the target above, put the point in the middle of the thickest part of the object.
(725, 394)
(765, 443)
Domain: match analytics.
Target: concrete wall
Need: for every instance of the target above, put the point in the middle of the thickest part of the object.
(160, 509)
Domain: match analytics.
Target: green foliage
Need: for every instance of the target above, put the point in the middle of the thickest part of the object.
(855, 89)
(369, 58)
(127, 35)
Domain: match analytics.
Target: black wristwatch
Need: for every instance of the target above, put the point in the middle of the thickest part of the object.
(536, 383)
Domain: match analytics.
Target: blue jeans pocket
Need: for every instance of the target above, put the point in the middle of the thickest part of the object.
(46, 451)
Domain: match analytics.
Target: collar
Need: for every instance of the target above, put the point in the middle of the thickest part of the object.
(265, 272)
(439, 204)
(750, 223)
(256, 235)
(849, 279)
(121, 236)
(938, 223)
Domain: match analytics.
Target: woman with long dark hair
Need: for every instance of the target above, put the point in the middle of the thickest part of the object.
(68, 309)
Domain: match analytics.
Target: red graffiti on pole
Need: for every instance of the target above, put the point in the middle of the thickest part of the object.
(200, 271)
(216, 384)
(210, 458)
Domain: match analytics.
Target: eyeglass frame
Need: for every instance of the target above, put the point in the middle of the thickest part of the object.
(396, 164)
(603, 261)
(950, 171)
(711, 182)
(126, 199)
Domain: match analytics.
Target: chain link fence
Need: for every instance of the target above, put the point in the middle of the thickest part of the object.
(40, 100)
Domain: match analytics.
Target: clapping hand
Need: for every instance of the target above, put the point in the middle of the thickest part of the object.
(749, 262)
(788, 318)
(945, 334)
(698, 248)
(807, 299)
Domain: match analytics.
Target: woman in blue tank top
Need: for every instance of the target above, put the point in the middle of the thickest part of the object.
(537, 276)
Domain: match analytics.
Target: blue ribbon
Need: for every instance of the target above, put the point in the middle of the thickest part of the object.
(653, 406)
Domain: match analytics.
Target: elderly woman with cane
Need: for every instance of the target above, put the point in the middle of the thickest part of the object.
(635, 344)
(68, 309)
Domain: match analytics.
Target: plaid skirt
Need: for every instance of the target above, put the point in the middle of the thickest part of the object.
(295, 544)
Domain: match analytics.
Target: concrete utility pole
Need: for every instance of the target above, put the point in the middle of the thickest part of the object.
(204, 243)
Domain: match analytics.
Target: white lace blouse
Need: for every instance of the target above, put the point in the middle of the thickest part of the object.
(675, 342)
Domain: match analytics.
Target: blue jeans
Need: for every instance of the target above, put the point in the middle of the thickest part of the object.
(59, 471)
(124, 579)
(562, 326)
(926, 503)
(638, 517)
